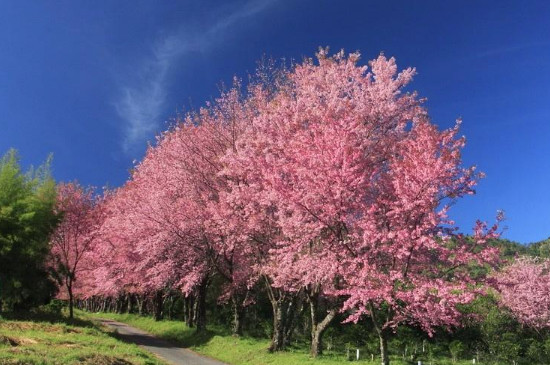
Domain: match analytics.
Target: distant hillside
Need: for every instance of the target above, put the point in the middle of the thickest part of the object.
(511, 249)
(541, 248)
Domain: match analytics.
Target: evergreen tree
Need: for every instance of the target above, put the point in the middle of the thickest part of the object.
(26, 221)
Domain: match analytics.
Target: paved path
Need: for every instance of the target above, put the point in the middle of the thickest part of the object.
(163, 349)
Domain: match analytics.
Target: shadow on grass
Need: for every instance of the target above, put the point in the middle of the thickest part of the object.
(169, 337)
(36, 315)
(188, 337)
(142, 340)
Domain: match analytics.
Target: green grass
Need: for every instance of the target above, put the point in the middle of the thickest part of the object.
(219, 344)
(35, 338)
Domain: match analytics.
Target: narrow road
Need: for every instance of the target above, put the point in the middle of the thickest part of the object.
(163, 349)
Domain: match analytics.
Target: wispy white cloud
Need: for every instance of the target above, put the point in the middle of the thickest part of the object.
(504, 50)
(142, 99)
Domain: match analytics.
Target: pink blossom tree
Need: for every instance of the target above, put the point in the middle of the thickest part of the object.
(171, 213)
(120, 264)
(354, 176)
(524, 288)
(71, 242)
(407, 265)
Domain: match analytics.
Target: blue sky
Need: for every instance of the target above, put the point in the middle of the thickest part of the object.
(93, 81)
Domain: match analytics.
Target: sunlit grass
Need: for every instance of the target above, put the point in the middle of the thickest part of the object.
(219, 344)
(38, 340)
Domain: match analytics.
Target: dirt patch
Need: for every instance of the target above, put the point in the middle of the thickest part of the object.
(71, 345)
(104, 360)
(27, 341)
(68, 344)
(9, 341)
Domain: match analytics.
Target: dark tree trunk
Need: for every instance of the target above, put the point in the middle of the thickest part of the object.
(170, 305)
(284, 305)
(119, 304)
(200, 311)
(71, 299)
(294, 309)
(129, 298)
(189, 311)
(158, 304)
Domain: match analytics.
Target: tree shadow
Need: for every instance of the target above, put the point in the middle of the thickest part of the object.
(47, 316)
(184, 338)
(142, 340)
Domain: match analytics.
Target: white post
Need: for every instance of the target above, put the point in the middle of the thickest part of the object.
(474, 360)
(419, 362)
(357, 355)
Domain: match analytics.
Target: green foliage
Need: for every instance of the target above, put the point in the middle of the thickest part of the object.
(26, 220)
(54, 307)
(509, 249)
(456, 348)
(541, 248)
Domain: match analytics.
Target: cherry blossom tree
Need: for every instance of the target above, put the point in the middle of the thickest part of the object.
(169, 216)
(81, 217)
(524, 288)
(408, 266)
(355, 176)
(121, 265)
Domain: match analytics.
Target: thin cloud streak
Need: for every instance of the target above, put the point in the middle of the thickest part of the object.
(142, 104)
(504, 50)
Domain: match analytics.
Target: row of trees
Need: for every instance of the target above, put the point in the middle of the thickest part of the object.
(326, 181)
(323, 186)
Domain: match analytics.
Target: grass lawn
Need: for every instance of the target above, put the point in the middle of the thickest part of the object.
(219, 344)
(53, 339)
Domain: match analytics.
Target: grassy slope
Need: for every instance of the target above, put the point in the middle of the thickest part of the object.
(218, 344)
(55, 340)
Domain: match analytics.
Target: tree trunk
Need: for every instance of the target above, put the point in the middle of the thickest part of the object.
(237, 307)
(170, 305)
(189, 311)
(118, 305)
(129, 298)
(383, 333)
(384, 347)
(277, 340)
(284, 306)
(71, 299)
(157, 305)
(139, 303)
(200, 311)
(318, 328)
